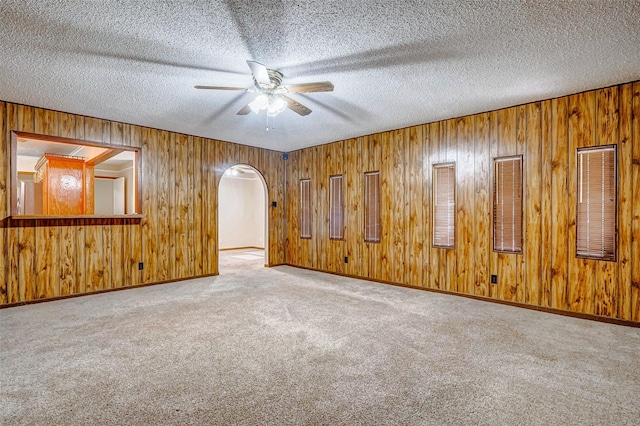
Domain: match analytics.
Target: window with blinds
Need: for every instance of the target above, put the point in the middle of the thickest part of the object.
(336, 208)
(444, 205)
(507, 204)
(596, 212)
(372, 225)
(305, 208)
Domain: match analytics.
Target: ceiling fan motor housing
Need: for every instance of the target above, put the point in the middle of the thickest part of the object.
(275, 78)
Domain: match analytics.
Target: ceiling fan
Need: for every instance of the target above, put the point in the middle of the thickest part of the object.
(272, 94)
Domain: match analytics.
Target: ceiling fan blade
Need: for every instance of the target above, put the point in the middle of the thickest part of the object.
(259, 72)
(242, 89)
(245, 110)
(296, 106)
(320, 86)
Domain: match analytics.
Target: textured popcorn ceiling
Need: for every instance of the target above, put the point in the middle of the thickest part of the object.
(393, 64)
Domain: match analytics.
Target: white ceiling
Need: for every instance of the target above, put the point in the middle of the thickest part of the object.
(393, 63)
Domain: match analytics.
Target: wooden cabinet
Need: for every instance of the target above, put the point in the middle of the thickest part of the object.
(67, 185)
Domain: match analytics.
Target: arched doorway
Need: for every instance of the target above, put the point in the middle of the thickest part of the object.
(242, 220)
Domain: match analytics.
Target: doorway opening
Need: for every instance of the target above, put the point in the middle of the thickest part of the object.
(242, 220)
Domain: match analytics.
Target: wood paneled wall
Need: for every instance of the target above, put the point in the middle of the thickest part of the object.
(547, 273)
(176, 237)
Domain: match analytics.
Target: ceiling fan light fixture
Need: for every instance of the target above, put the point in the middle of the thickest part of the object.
(259, 103)
(276, 106)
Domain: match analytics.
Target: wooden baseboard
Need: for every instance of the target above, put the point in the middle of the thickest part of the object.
(107, 290)
(580, 315)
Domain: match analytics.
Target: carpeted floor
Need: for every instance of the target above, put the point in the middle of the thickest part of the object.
(289, 346)
(232, 261)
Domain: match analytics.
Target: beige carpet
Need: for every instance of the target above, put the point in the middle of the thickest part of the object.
(288, 346)
(232, 261)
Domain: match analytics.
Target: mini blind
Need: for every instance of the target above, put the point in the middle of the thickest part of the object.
(596, 213)
(372, 225)
(507, 204)
(305, 208)
(444, 184)
(336, 208)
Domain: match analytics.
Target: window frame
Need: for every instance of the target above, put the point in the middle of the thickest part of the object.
(434, 167)
(379, 209)
(301, 216)
(614, 256)
(496, 160)
(340, 208)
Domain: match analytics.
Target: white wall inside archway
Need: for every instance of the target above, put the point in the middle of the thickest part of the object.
(241, 211)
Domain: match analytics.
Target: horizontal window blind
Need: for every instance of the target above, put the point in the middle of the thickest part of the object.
(305, 208)
(336, 208)
(596, 212)
(507, 204)
(444, 184)
(372, 224)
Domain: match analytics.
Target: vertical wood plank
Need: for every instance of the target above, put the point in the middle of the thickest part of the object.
(398, 205)
(546, 219)
(559, 202)
(68, 258)
(465, 206)
(66, 125)
(92, 129)
(625, 201)
(450, 257)
(149, 205)
(180, 208)
(107, 253)
(5, 175)
(94, 255)
(198, 209)
(483, 215)
(47, 260)
(416, 213)
(635, 222)
(353, 213)
(607, 132)
(532, 211)
(163, 225)
(26, 262)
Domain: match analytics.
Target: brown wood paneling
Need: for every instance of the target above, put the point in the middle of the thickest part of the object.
(532, 206)
(509, 288)
(47, 260)
(165, 178)
(4, 268)
(483, 208)
(581, 282)
(546, 218)
(180, 207)
(352, 196)
(559, 204)
(149, 206)
(607, 132)
(635, 222)
(397, 206)
(465, 205)
(5, 177)
(196, 213)
(416, 212)
(88, 255)
(547, 272)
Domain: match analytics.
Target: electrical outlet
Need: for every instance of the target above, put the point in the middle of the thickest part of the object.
(140, 266)
(346, 259)
(494, 279)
